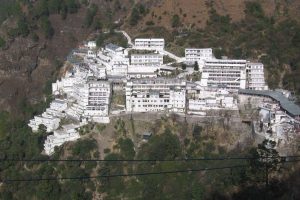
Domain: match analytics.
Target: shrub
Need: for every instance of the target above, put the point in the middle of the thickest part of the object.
(134, 17)
(47, 27)
(150, 23)
(137, 13)
(72, 6)
(196, 66)
(23, 28)
(89, 18)
(175, 21)
(2, 42)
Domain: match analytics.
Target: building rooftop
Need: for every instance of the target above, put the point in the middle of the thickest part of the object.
(285, 103)
(112, 47)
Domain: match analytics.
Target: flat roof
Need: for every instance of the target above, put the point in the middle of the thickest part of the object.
(285, 103)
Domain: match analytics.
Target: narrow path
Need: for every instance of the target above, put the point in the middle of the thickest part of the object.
(129, 41)
(164, 52)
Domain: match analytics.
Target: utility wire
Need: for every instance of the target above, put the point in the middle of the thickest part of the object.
(121, 175)
(127, 175)
(143, 160)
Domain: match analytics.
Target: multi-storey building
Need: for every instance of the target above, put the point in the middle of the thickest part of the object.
(195, 55)
(156, 94)
(255, 76)
(145, 60)
(149, 43)
(226, 73)
(91, 99)
(49, 121)
(60, 136)
(114, 59)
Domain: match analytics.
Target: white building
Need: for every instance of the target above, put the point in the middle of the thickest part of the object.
(136, 75)
(201, 98)
(149, 43)
(226, 73)
(92, 100)
(255, 76)
(193, 55)
(115, 59)
(152, 95)
(74, 76)
(91, 44)
(144, 60)
(60, 136)
(50, 122)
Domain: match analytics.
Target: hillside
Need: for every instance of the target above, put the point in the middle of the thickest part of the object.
(29, 61)
(143, 155)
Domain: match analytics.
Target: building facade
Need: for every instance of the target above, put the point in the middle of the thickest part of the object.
(195, 55)
(255, 76)
(156, 94)
(149, 43)
(226, 73)
(145, 60)
(92, 99)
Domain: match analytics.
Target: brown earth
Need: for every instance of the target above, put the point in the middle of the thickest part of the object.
(195, 13)
(26, 66)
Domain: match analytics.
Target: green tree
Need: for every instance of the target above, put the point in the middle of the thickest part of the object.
(64, 11)
(23, 28)
(267, 159)
(254, 9)
(183, 66)
(126, 147)
(196, 66)
(83, 148)
(72, 6)
(165, 146)
(9, 8)
(134, 17)
(98, 25)
(2, 42)
(41, 9)
(197, 131)
(47, 27)
(100, 40)
(175, 22)
(89, 17)
(54, 6)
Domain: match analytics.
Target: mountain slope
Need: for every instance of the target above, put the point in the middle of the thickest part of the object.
(29, 60)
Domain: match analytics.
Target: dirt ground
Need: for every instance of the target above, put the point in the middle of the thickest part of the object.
(230, 137)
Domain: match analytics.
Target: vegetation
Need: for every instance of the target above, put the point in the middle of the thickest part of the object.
(47, 27)
(256, 37)
(89, 18)
(9, 8)
(18, 142)
(138, 11)
(2, 42)
(175, 21)
(196, 66)
(111, 37)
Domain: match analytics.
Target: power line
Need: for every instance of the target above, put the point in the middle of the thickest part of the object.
(121, 175)
(143, 160)
(126, 175)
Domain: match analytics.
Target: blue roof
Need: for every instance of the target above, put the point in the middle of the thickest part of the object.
(111, 46)
(287, 105)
